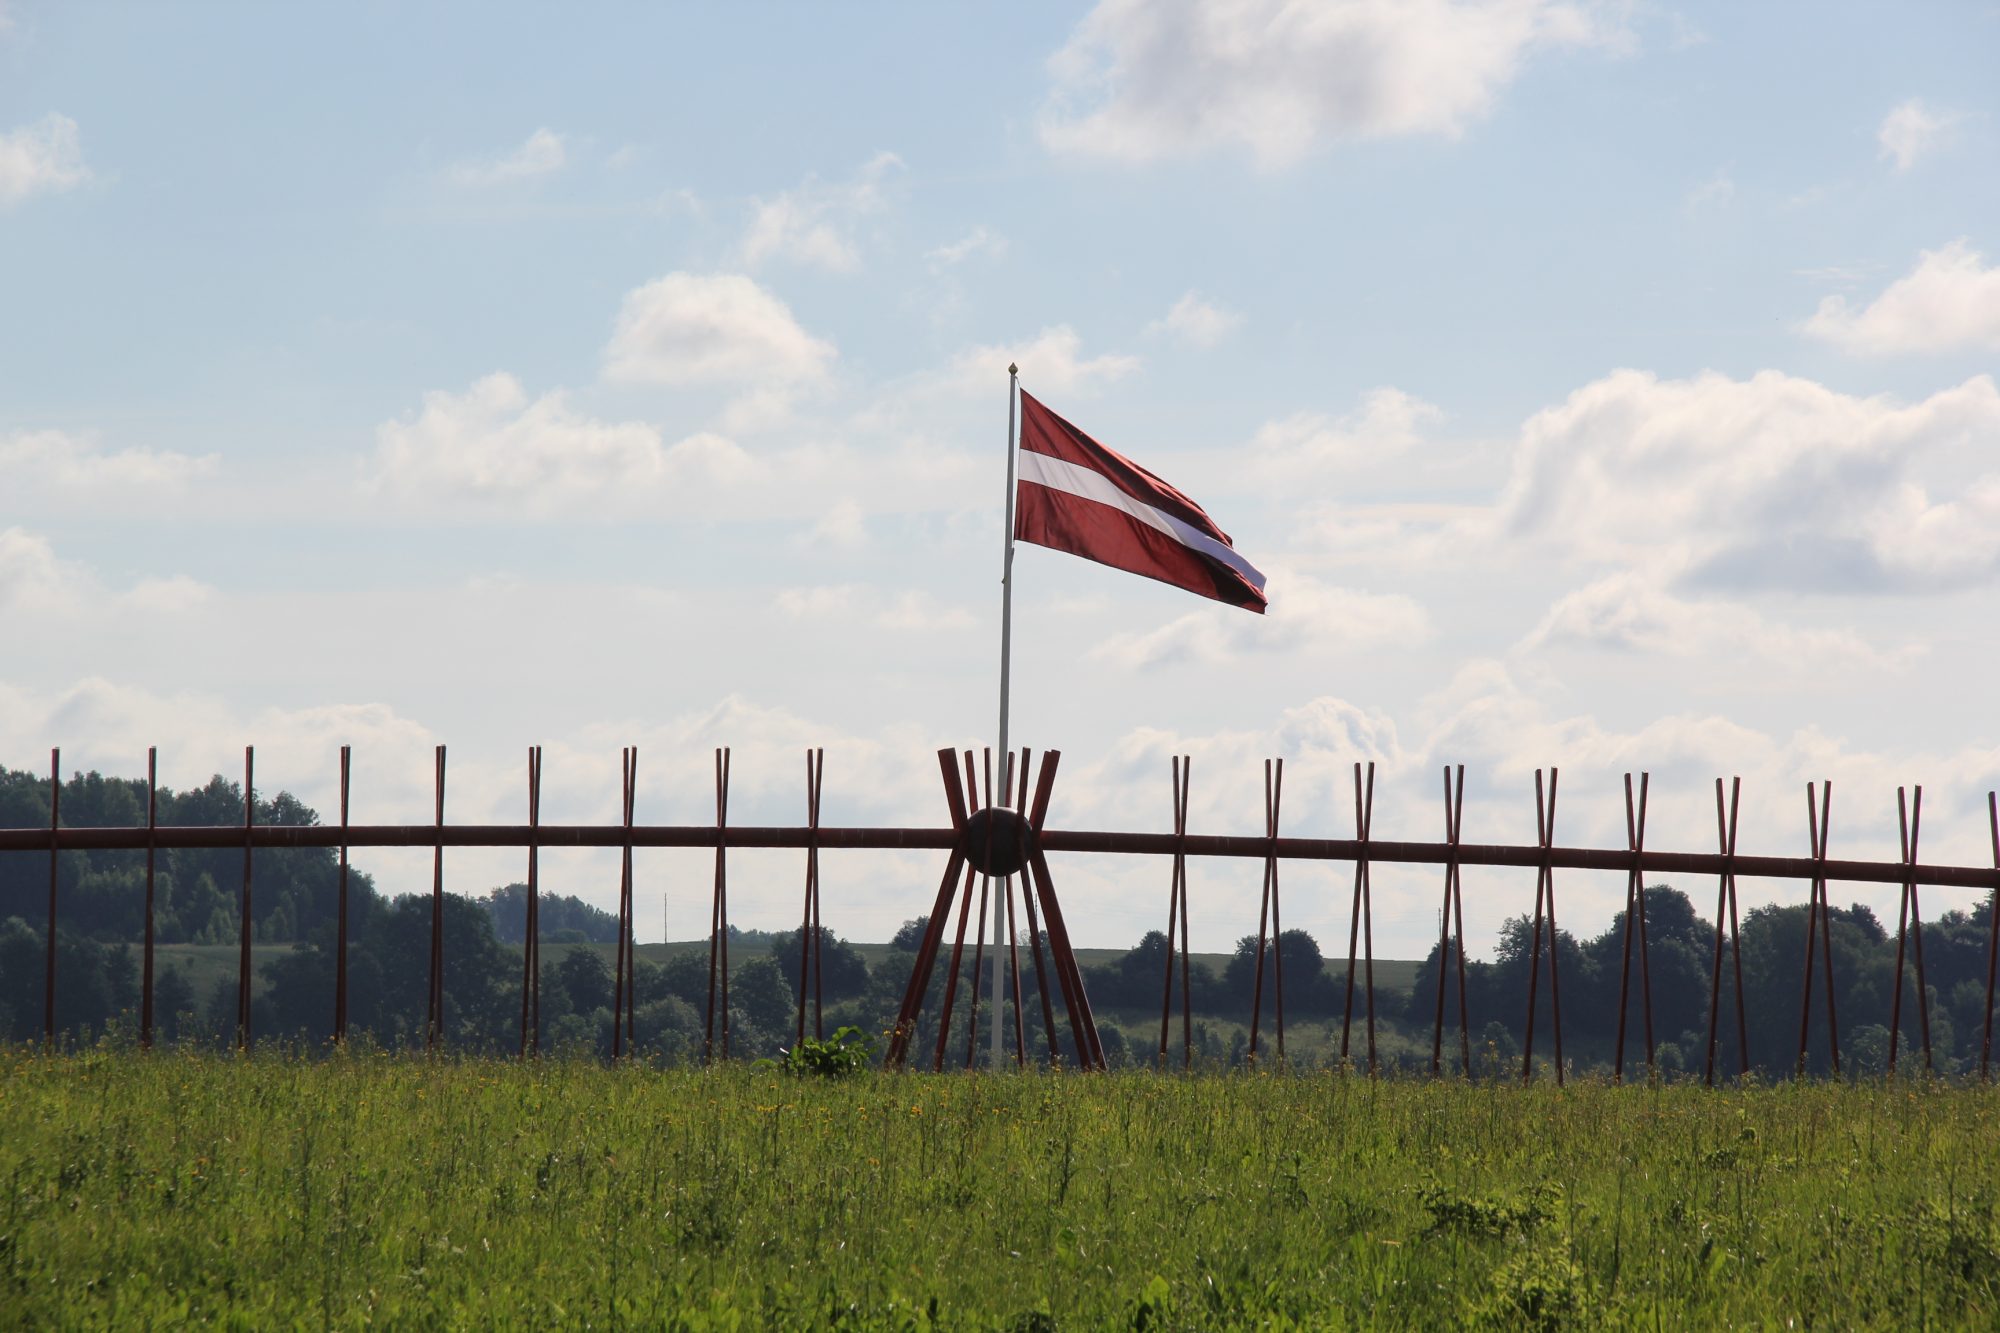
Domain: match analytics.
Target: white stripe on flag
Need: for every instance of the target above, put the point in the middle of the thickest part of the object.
(1061, 475)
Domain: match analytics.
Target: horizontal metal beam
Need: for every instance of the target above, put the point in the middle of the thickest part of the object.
(938, 839)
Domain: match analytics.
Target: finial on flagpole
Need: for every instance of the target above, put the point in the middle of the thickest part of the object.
(1013, 369)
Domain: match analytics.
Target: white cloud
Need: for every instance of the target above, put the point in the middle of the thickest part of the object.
(1146, 79)
(1051, 362)
(978, 241)
(1912, 131)
(1632, 611)
(910, 610)
(690, 328)
(1196, 322)
(1773, 481)
(494, 443)
(1305, 444)
(60, 461)
(542, 153)
(1949, 302)
(844, 526)
(1711, 196)
(43, 158)
(34, 579)
(812, 224)
(1304, 616)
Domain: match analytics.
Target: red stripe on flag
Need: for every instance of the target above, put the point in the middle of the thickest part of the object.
(1043, 432)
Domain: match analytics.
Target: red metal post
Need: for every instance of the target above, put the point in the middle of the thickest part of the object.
(146, 960)
(624, 999)
(1177, 903)
(434, 1022)
(531, 928)
(1361, 916)
(1909, 920)
(1545, 890)
(1635, 913)
(49, 963)
(920, 972)
(809, 921)
(1725, 901)
(1819, 930)
(1448, 946)
(1992, 938)
(718, 919)
(1263, 923)
(340, 910)
(243, 975)
(1274, 793)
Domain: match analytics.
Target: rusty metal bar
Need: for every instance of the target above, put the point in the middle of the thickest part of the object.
(1450, 945)
(1274, 795)
(718, 917)
(531, 928)
(1013, 947)
(934, 839)
(1083, 1026)
(623, 995)
(1635, 905)
(1819, 914)
(1361, 916)
(146, 958)
(340, 926)
(1909, 920)
(958, 941)
(979, 932)
(1183, 768)
(243, 974)
(809, 918)
(434, 1021)
(1263, 921)
(1545, 890)
(49, 964)
(1725, 899)
(920, 971)
(1992, 939)
(1034, 925)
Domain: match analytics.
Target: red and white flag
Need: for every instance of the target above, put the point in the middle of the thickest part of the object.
(1076, 495)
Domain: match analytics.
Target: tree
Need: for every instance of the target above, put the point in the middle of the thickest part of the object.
(845, 970)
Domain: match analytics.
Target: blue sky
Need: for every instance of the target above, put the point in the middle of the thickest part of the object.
(1607, 386)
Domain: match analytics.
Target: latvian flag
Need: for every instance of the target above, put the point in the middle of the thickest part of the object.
(1077, 496)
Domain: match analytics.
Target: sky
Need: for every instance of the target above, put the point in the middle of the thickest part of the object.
(1602, 386)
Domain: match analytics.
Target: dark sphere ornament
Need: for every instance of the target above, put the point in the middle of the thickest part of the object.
(996, 841)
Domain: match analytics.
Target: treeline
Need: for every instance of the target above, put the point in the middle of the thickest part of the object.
(101, 898)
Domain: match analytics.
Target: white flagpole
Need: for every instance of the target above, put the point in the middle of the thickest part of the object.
(1006, 653)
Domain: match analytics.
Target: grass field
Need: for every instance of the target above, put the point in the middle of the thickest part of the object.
(365, 1188)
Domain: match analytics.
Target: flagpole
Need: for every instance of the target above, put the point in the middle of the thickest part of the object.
(1006, 654)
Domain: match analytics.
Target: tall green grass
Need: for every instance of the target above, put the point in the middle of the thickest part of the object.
(393, 1190)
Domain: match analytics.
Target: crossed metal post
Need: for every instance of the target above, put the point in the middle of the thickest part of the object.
(1362, 915)
(1545, 889)
(1910, 920)
(1635, 905)
(1451, 927)
(1725, 898)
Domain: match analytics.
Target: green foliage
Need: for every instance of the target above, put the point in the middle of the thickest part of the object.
(849, 1051)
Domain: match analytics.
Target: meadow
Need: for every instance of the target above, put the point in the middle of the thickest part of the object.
(372, 1189)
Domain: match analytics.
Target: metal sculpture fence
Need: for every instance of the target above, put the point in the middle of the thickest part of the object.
(1010, 838)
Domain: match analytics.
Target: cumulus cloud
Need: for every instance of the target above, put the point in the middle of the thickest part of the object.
(813, 224)
(1305, 615)
(495, 443)
(1772, 481)
(1949, 302)
(1145, 79)
(543, 153)
(34, 579)
(1051, 362)
(908, 610)
(978, 241)
(1912, 131)
(1389, 423)
(1633, 611)
(67, 462)
(1196, 322)
(43, 158)
(690, 328)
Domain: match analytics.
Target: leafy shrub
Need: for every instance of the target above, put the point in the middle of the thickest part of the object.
(847, 1052)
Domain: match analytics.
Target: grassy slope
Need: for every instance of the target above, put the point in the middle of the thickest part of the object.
(409, 1193)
